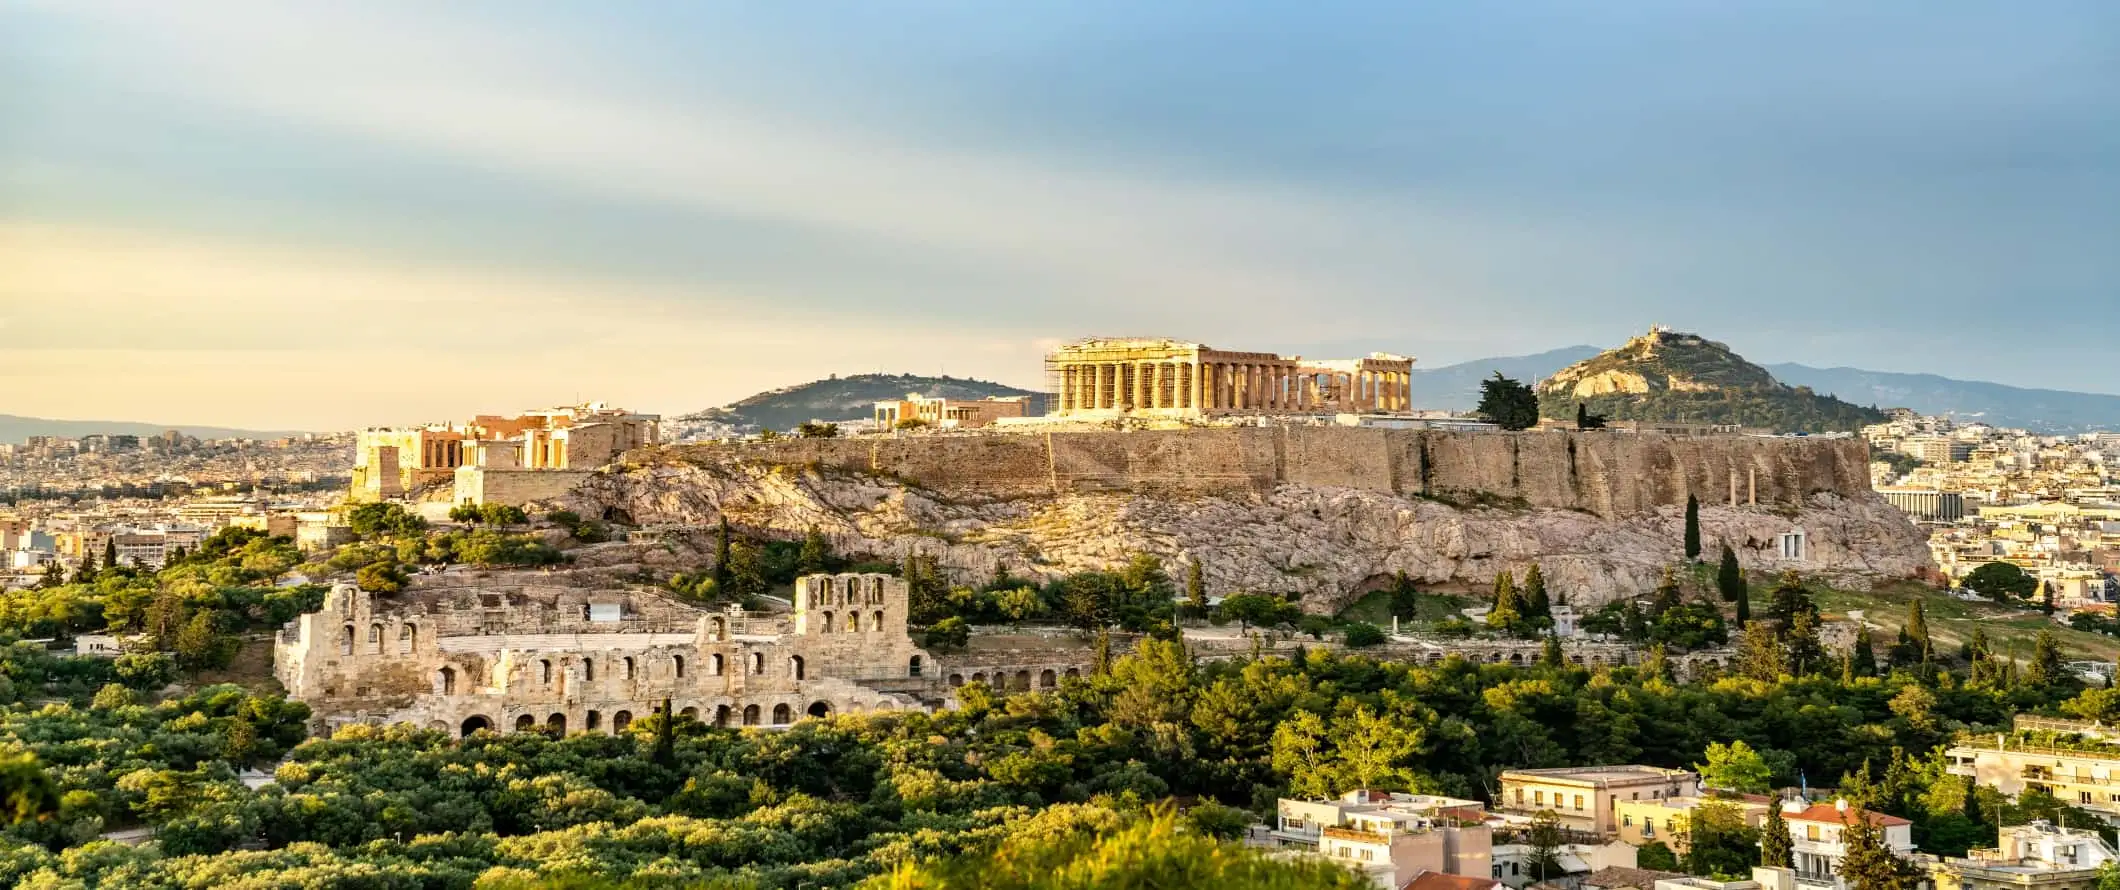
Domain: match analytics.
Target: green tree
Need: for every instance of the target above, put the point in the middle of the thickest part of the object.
(1255, 609)
(1790, 597)
(724, 550)
(201, 646)
(1362, 635)
(1692, 528)
(1776, 847)
(1759, 653)
(811, 429)
(1655, 856)
(1916, 632)
(2046, 669)
(1405, 599)
(1507, 614)
(1550, 653)
(1718, 842)
(948, 635)
(1020, 604)
(1195, 586)
(1545, 839)
(1537, 605)
(2001, 582)
(1863, 655)
(1371, 749)
(1736, 767)
(110, 552)
(1730, 577)
(1868, 864)
(1151, 852)
(381, 577)
(1584, 420)
(27, 792)
(1806, 654)
(816, 554)
(1508, 403)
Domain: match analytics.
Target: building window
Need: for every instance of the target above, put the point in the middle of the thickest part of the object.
(1578, 802)
(2083, 796)
(1810, 832)
(1626, 820)
(1292, 823)
(1519, 794)
(545, 670)
(679, 662)
(1648, 828)
(588, 669)
(1538, 797)
(625, 668)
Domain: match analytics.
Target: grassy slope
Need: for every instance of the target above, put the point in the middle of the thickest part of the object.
(1952, 620)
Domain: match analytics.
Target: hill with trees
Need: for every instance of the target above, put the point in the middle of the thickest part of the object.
(1675, 377)
(831, 400)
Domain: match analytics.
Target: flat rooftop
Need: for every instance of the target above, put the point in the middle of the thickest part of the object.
(1619, 774)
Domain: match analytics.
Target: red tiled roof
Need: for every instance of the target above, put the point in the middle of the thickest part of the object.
(1825, 812)
(1435, 880)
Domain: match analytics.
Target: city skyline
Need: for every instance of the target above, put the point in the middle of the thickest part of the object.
(258, 215)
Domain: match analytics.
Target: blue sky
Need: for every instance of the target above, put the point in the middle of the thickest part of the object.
(337, 214)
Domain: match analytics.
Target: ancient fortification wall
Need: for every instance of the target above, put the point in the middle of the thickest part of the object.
(1609, 474)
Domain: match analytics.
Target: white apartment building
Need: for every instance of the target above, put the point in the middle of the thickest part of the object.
(1816, 832)
(1388, 836)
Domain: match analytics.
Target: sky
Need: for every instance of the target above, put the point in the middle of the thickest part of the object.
(288, 214)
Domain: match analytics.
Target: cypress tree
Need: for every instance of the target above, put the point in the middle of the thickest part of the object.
(1730, 577)
(1692, 528)
(1196, 585)
(1507, 613)
(1550, 654)
(1536, 603)
(1656, 665)
(1864, 655)
(721, 557)
(110, 552)
(666, 736)
(1775, 846)
(2046, 669)
(1917, 630)
(816, 554)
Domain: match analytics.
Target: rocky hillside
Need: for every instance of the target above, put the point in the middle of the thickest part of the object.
(1672, 376)
(832, 399)
(1326, 542)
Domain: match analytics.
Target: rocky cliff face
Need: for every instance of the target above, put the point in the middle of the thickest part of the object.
(1325, 541)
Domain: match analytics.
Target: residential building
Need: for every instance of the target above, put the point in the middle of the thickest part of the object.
(2069, 760)
(1666, 820)
(1516, 865)
(1585, 798)
(1391, 836)
(1818, 838)
(2035, 856)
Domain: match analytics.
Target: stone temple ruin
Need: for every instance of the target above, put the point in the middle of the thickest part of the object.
(569, 659)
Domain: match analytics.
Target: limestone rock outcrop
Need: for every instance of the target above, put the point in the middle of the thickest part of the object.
(1327, 540)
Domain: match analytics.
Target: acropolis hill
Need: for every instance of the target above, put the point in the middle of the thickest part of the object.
(1322, 511)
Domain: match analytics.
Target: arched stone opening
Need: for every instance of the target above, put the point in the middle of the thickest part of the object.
(625, 668)
(853, 622)
(717, 665)
(795, 666)
(956, 680)
(750, 715)
(445, 681)
(476, 723)
(876, 621)
(375, 639)
(825, 626)
(408, 638)
(589, 670)
(912, 667)
(621, 720)
(820, 709)
(978, 676)
(717, 629)
(721, 715)
(525, 723)
(592, 721)
(1073, 673)
(758, 662)
(783, 715)
(1023, 680)
(346, 641)
(1047, 679)
(677, 665)
(544, 668)
(689, 713)
(556, 724)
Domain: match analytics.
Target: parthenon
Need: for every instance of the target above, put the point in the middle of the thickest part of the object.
(1170, 378)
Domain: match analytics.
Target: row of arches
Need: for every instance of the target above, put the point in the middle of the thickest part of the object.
(781, 714)
(408, 636)
(828, 623)
(843, 591)
(1047, 678)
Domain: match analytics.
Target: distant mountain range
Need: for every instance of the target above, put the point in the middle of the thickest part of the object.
(1457, 387)
(832, 399)
(14, 429)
